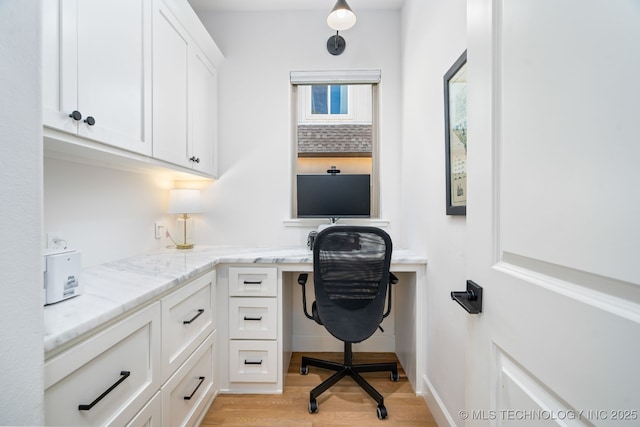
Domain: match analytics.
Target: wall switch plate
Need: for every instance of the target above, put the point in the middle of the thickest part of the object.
(156, 227)
(55, 240)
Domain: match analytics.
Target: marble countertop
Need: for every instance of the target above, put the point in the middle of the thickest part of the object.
(117, 287)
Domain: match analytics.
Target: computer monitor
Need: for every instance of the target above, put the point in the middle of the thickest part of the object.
(334, 196)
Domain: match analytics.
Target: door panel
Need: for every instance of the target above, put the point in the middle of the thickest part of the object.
(552, 224)
(114, 71)
(568, 108)
(170, 76)
(203, 114)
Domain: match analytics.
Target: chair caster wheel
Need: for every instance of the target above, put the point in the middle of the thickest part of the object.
(382, 412)
(395, 377)
(304, 370)
(313, 406)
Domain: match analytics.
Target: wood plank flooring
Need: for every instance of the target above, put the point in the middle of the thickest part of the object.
(345, 404)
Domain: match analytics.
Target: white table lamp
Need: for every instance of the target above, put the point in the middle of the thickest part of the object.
(184, 202)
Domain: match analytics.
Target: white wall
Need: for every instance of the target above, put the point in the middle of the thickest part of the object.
(433, 37)
(21, 357)
(105, 213)
(253, 196)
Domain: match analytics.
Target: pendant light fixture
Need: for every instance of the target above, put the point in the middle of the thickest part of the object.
(341, 18)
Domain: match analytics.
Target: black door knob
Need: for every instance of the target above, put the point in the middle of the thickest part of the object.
(76, 115)
(90, 121)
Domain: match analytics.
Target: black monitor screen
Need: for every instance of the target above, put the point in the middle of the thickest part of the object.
(334, 196)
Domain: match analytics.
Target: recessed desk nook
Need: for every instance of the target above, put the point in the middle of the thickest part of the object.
(204, 321)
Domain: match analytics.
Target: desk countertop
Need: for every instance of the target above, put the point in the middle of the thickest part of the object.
(117, 287)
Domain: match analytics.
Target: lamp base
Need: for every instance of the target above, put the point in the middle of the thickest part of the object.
(336, 45)
(184, 246)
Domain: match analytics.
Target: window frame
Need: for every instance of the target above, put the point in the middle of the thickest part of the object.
(370, 77)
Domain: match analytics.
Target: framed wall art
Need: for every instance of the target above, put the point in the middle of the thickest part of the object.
(455, 118)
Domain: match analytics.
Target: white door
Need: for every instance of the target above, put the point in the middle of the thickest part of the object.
(553, 214)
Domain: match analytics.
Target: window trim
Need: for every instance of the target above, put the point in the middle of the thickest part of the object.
(372, 77)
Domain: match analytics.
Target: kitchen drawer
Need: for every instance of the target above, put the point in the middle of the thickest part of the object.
(107, 378)
(253, 318)
(253, 282)
(150, 415)
(253, 361)
(188, 316)
(187, 392)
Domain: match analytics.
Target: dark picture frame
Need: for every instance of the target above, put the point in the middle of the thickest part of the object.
(455, 121)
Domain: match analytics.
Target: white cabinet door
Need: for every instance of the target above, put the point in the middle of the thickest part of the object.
(59, 64)
(170, 76)
(114, 72)
(203, 113)
(97, 61)
(184, 96)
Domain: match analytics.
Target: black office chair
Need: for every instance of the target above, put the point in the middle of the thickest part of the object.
(352, 282)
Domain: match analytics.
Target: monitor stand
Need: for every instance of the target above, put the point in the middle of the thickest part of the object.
(334, 221)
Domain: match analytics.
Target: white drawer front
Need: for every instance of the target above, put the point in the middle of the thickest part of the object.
(150, 415)
(253, 318)
(187, 318)
(190, 389)
(119, 362)
(253, 281)
(253, 361)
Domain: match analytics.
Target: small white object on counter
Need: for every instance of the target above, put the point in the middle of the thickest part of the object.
(62, 270)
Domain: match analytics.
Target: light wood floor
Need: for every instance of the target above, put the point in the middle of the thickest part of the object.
(345, 404)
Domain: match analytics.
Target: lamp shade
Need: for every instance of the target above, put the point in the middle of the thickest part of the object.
(183, 201)
(341, 17)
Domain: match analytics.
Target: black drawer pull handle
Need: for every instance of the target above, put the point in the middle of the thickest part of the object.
(250, 282)
(253, 318)
(194, 391)
(188, 322)
(248, 362)
(124, 374)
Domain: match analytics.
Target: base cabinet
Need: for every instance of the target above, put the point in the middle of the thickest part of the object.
(253, 329)
(155, 367)
(150, 415)
(189, 391)
(108, 378)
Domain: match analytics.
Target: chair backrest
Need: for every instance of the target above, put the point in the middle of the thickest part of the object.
(351, 275)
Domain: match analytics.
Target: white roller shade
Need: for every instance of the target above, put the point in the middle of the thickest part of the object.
(335, 77)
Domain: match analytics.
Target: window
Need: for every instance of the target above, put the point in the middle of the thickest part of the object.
(329, 99)
(335, 129)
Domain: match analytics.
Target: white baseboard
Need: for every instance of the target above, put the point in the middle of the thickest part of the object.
(436, 406)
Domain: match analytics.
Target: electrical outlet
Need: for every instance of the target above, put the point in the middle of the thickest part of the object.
(157, 227)
(55, 240)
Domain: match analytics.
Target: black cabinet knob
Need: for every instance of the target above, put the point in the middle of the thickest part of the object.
(76, 115)
(90, 121)
(195, 159)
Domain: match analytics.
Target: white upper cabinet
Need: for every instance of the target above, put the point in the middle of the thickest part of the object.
(184, 89)
(203, 115)
(97, 63)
